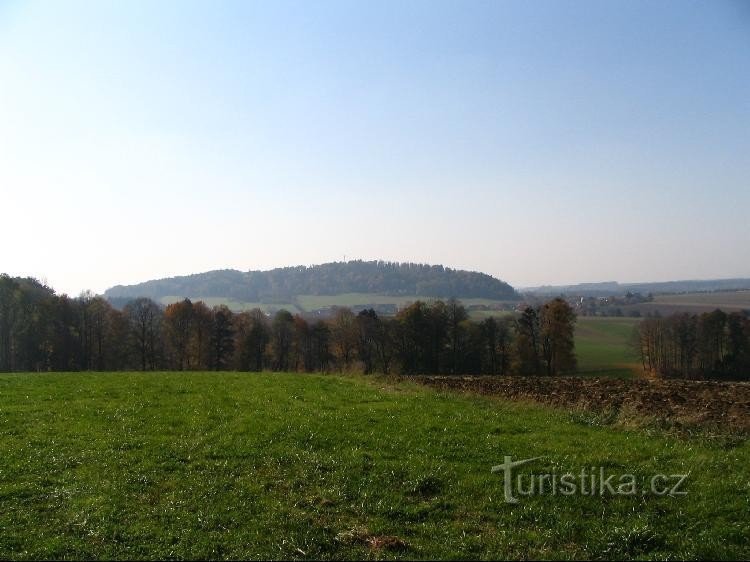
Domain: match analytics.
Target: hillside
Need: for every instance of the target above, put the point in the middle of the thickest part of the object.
(285, 284)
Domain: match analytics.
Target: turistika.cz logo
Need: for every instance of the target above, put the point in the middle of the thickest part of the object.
(589, 481)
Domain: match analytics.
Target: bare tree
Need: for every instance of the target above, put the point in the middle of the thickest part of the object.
(144, 316)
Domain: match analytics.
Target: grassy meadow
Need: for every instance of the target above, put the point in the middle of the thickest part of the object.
(235, 305)
(229, 465)
(603, 346)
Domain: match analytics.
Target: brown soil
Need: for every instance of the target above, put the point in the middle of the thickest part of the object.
(375, 542)
(721, 405)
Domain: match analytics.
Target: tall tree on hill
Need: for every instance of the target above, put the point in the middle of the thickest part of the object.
(57, 337)
(200, 339)
(282, 335)
(684, 333)
(490, 331)
(368, 327)
(497, 339)
(385, 343)
(303, 345)
(178, 323)
(145, 323)
(8, 315)
(413, 342)
(118, 338)
(251, 340)
(344, 335)
(100, 315)
(505, 344)
(712, 338)
(83, 328)
(38, 323)
(437, 318)
(470, 349)
(456, 314)
(222, 337)
(260, 336)
(527, 348)
(242, 352)
(738, 344)
(321, 338)
(557, 330)
(648, 340)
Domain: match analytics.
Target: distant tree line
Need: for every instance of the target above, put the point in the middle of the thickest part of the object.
(42, 331)
(710, 345)
(284, 284)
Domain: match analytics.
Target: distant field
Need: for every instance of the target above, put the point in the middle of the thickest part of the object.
(665, 304)
(479, 315)
(235, 306)
(694, 303)
(603, 346)
(313, 302)
(275, 466)
(307, 303)
(733, 299)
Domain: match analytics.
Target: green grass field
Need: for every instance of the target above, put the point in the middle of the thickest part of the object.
(223, 465)
(236, 306)
(603, 346)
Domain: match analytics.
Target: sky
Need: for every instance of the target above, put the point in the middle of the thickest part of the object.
(540, 142)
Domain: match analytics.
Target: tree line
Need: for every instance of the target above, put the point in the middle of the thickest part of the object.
(710, 345)
(43, 331)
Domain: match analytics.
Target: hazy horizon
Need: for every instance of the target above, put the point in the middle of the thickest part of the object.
(517, 287)
(542, 143)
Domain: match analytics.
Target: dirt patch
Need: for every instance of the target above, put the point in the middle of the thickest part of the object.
(386, 542)
(376, 542)
(722, 405)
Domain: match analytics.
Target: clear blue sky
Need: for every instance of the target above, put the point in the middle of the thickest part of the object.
(541, 142)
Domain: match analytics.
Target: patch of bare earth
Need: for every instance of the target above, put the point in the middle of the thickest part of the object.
(375, 542)
(723, 405)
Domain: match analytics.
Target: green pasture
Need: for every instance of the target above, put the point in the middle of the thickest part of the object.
(603, 346)
(235, 305)
(284, 466)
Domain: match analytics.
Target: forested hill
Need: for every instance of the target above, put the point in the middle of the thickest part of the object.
(387, 278)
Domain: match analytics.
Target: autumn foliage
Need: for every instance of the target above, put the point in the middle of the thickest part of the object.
(42, 331)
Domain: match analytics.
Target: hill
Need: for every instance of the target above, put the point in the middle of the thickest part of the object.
(285, 284)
